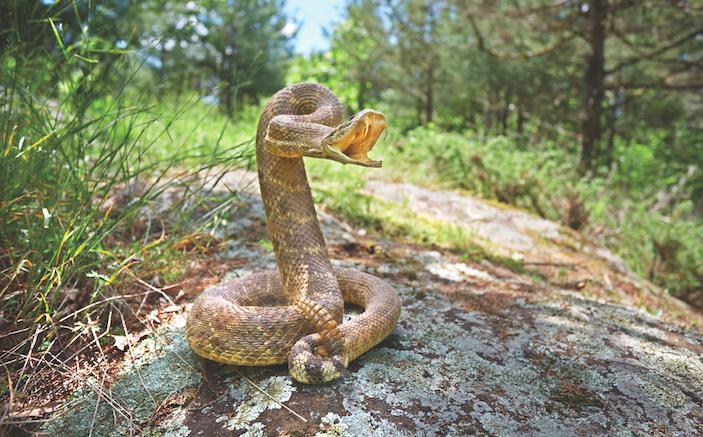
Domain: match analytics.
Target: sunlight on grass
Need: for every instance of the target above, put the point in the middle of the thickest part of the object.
(84, 179)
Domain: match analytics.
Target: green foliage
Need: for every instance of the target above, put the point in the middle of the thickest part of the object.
(352, 67)
(190, 130)
(323, 68)
(659, 240)
(510, 77)
(493, 168)
(237, 47)
(83, 161)
(665, 249)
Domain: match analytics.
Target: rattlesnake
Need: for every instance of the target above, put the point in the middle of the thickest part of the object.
(295, 314)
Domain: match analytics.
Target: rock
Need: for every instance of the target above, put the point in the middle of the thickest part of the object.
(489, 362)
(563, 257)
(509, 231)
(479, 349)
(454, 272)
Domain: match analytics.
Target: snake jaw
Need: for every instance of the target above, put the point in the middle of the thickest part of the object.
(356, 137)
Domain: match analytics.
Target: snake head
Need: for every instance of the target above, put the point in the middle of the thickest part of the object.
(351, 141)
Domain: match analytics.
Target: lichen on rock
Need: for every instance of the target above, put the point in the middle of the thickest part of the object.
(479, 349)
(160, 366)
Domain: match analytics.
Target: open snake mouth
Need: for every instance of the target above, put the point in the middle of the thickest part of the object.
(356, 137)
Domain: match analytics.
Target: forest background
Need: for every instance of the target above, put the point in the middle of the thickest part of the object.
(589, 113)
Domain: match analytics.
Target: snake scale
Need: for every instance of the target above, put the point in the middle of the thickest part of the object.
(295, 314)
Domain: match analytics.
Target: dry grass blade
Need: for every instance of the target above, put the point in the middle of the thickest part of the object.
(72, 375)
(97, 405)
(131, 355)
(26, 361)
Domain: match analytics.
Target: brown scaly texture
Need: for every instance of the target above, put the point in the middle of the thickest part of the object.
(294, 314)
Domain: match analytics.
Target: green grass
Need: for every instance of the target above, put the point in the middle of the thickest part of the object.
(84, 164)
(191, 131)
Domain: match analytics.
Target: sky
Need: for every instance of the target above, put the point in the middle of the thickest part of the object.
(313, 16)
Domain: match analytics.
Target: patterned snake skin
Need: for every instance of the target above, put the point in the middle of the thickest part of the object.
(295, 314)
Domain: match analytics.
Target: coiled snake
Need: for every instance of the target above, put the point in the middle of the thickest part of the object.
(295, 314)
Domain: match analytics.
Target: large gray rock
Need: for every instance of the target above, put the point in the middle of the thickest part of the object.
(479, 349)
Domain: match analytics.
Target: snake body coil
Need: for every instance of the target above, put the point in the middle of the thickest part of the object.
(295, 314)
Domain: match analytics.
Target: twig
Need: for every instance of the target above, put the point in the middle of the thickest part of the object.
(149, 286)
(71, 375)
(18, 331)
(41, 330)
(202, 407)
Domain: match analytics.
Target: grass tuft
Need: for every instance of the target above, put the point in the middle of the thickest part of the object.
(97, 187)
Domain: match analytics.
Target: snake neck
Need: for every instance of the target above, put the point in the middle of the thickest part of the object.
(294, 230)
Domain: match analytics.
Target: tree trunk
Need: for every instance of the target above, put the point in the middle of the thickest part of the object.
(506, 111)
(487, 117)
(520, 121)
(612, 120)
(594, 80)
(230, 86)
(361, 96)
(429, 94)
(227, 104)
(418, 110)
